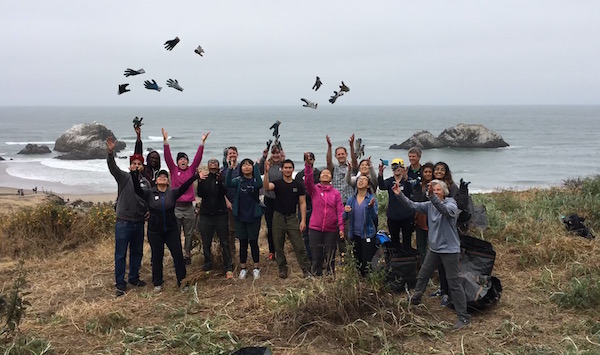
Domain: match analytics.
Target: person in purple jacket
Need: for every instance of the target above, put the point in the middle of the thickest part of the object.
(180, 171)
(326, 222)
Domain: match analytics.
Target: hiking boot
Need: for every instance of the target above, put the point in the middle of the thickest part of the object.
(256, 273)
(445, 301)
(243, 274)
(207, 267)
(271, 256)
(283, 273)
(462, 323)
(158, 288)
(415, 300)
(229, 275)
(138, 283)
(120, 290)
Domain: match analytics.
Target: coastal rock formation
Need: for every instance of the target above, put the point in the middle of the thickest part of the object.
(422, 139)
(459, 136)
(35, 149)
(85, 141)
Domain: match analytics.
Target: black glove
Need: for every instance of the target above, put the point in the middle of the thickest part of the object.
(123, 88)
(152, 85)
(464, 185)
(169, 45)
(131, 72)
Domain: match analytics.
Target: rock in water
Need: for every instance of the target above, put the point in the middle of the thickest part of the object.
(459, 136)
(471, 136)
(421, 139)
(85, 141)
(35, 149)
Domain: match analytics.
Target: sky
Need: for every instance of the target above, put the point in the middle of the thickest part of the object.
(268, 52)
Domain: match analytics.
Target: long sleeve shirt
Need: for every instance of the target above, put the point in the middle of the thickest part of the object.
(179, 176)
(130, 206)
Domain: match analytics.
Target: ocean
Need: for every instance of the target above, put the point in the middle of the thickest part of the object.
(548, 144)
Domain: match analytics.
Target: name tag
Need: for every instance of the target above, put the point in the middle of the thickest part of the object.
(156, 198)
(368, 240)
(295, 189)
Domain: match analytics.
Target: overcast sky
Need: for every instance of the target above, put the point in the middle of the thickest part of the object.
(73, 52)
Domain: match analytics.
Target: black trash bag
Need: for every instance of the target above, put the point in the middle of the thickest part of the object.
(481, 291)
(477, 256)
(401, 266)
(574, 223)
(253, 350)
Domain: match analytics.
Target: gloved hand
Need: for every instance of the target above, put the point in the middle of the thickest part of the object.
(152, 85)
(123, 88)
(174, 84)
(464, 185)
(131, 72)
(169, 45)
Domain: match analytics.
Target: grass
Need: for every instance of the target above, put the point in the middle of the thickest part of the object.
(549, 304)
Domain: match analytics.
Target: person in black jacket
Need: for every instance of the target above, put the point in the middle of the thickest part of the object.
(152, 166)
(213, 215)
(162, 225)
(399, 217)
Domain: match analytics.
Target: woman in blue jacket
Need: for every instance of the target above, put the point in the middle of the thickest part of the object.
(361, 210)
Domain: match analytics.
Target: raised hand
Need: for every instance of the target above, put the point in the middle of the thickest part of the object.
(165, 135)
(174, 84)
(138, 131)
(351, 140)
(110, 145)
(123, 89)
(204, 136)
(381, 168)
(202, 175)
(169, 45)
(396, 188)
(267, 166)
(464, 185)
(131, 72)
(152, 85)
(328, 140)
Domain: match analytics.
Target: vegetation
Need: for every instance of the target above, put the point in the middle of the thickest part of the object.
(550, 303)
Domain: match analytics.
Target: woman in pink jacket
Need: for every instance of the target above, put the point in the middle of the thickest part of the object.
(326, 223)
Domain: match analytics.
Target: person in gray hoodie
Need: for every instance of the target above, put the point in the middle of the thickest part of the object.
(129, 226)
(444, 245)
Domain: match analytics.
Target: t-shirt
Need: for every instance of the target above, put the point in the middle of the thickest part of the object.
(287, 195)
(247, 201)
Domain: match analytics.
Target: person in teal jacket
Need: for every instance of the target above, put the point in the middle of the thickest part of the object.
(247, 212)
(361, 210)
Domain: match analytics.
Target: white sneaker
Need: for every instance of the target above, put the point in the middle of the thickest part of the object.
(243, 274)
(256, 273)
(158, 288)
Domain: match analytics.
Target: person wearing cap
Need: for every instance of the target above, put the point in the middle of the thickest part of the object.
(129, 226)
(152, 166)
(399, 217)
(180, 171)
(326, 224)
(309, 158)
(213, 215)
(163, 227)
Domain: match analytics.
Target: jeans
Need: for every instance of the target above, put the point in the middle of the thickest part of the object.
(128, 235)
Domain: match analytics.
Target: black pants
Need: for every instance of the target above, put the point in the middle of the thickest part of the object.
(157, 241)
(407, 227)
(208, 225)
(364, 249)
(270, 204)
(323, 246)
(253, 249)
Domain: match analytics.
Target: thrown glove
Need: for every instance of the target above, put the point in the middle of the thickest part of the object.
(123, 88)
(199, 51)
(174, 84)
(169, 45)
(131, 72)
(152, 85)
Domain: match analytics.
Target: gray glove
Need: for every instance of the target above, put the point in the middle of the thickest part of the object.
(174, 84)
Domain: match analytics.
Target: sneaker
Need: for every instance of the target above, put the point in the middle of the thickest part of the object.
(256, 273)
(445, 301)
(229, 275)
(158, 288)
(138, 283)
(120, 290)
(462, 323)
(243, 274)
(271, 256)
(437, 293)
(283, 273)
(185, 288)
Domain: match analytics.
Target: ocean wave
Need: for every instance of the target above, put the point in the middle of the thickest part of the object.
(25, 143)
(157, 138)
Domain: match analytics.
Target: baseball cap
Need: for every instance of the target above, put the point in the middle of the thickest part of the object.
(182, 155)
(398, 161)
(136, 157)
(163, 172)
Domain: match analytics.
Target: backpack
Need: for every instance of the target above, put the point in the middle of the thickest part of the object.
(574, 223)
(401, 265)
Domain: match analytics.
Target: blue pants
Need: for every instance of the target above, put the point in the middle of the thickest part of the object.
(128, 235)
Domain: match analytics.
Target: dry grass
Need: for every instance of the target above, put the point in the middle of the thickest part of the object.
(74, 308)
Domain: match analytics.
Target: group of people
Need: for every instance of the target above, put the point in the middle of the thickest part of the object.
(319, 212)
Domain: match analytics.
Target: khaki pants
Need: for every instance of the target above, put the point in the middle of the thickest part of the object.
(186, 218)
(289, 225)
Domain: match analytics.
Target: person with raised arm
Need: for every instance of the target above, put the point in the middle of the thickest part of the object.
(231, 163)
(180, 171)
(274, 173)
(152, 166)
(399, 217)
